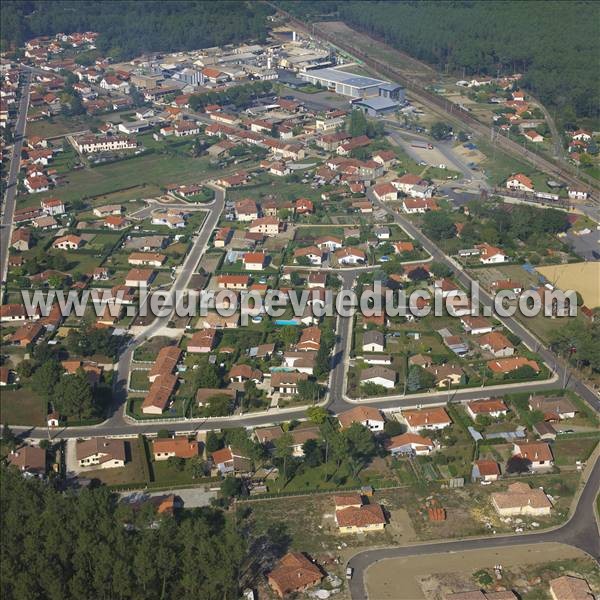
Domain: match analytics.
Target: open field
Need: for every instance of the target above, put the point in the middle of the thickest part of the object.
(61, 125)
(22, 407)
(151, 171)
(406, 578)
(582, 277)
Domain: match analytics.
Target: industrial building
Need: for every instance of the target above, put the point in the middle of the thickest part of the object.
(349, 84)
(376, 106)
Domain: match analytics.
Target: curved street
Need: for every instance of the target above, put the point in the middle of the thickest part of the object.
(581, 531)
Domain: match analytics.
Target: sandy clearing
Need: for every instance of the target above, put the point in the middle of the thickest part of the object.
(583, 277)
(398, 578)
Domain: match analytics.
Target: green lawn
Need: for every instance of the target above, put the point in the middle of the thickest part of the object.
(149, 170)
(139, 380)
(567, 451)
(60, 125)
(22, 407)
(132, 472)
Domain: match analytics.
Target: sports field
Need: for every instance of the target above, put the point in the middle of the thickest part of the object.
(583, 277)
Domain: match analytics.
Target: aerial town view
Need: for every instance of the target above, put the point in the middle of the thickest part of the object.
(300, 299)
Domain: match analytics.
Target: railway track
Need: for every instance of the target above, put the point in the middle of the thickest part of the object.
(448, 107)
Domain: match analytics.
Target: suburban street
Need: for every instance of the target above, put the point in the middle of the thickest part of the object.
(581, 531)
(8, 208)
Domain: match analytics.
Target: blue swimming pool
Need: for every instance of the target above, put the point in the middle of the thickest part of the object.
(285, 322)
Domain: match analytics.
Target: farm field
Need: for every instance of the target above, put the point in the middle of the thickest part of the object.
(582, 277)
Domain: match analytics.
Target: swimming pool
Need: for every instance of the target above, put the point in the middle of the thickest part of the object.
(285, 322)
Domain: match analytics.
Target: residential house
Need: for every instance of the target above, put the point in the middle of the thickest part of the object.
(202, 341)
(367, 416)
(539, 453)
(373, 341)
(409, 443)
(489, 407)
(139, 277)
(233, 282)
(286, 384)
(568, 587)
(363, 519)
(26, 334)
(254, 261)
(228, 460)
(149, 259)
(159, 396)
(504, 366)
(269, 226)
(446, 375)
(180, 447)
(485, 470)
(435, 418)
(68, 242)
(105, 453)
(21, 239)
(29, 459)
(350, 256)
(165, 363)
(554, 408)
(490, 255)
(520, 499)
(310, 339)
(385, 192)
(312, 253)
(53, 206)
(241, 373)
(520, 182)
(294, 574)
(329, 242)
(496, 343)
(378, 376)
(476, 325)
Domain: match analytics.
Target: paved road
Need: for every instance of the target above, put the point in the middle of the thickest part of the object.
(13, 175)
(565, 374)
(580, 531)
(117, 420)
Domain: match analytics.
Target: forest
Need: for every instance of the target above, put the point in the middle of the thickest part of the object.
(554, 44)
(129, 28)
(86, 545)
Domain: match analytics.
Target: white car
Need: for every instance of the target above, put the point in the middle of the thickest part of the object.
(349, 572)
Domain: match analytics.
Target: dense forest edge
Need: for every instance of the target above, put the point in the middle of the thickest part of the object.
(555, 45)
(129, 28)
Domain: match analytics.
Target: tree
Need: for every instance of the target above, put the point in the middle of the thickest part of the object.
(8, 437)
(438, 225)
(283, 452)
(45, 378)
(207, 376)
(518, 464)
(73, 396)
(392, 428)
(196, 467)
(313, 453)
(213, 442)
(357, 123)
(288, 335)
(440, 130)
(361, 446)
(218, 405)
(440, 269)
(308, 390)
(317, 414)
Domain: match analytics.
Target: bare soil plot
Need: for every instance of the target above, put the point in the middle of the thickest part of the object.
(406, 578)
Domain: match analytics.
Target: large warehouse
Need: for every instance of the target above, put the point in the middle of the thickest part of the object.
(347, 84)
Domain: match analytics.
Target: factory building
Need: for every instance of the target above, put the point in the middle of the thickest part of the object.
(349, 84)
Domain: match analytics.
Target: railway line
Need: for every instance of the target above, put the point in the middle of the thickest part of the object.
(446, 106)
